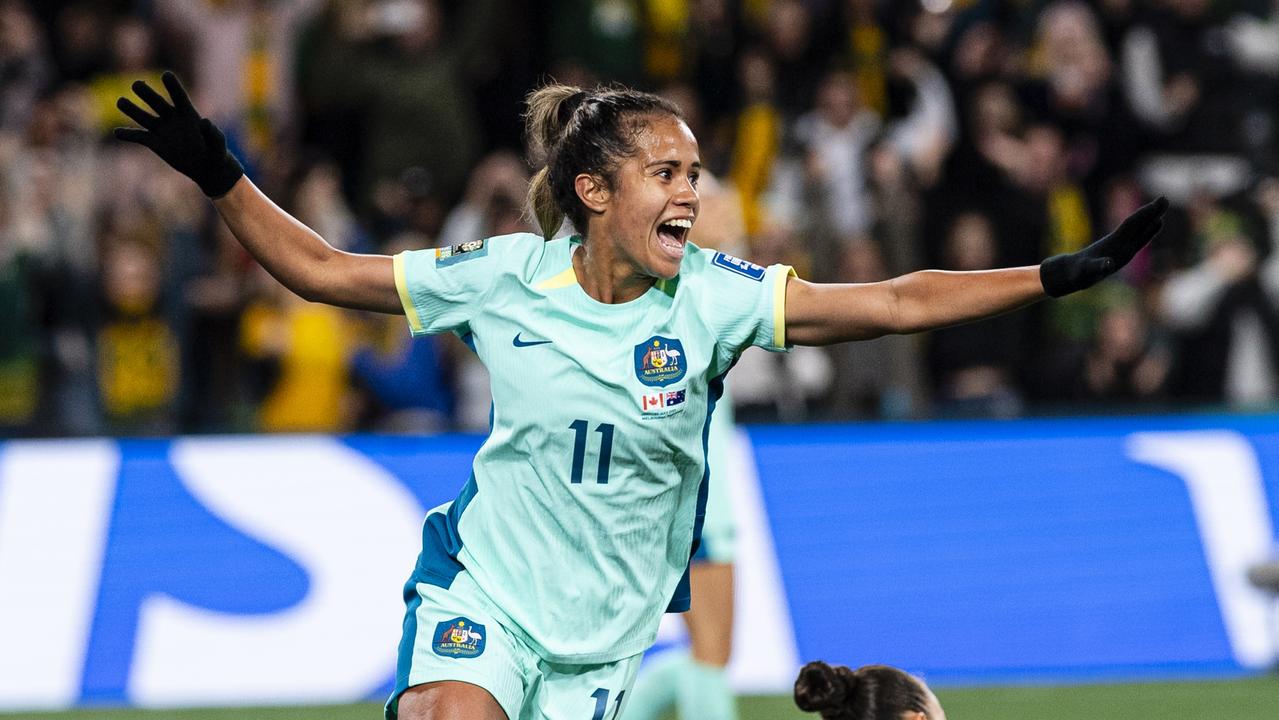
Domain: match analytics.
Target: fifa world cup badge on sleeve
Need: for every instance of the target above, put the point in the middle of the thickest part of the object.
(459, 638)
(453, 254)
(745, 268)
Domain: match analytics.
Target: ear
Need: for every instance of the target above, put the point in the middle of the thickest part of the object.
(592, 191)
(913, 715)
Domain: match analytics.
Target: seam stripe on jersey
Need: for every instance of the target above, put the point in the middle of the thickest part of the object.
(402, 287)
(564, 279)
(682, 599)
(779, 306)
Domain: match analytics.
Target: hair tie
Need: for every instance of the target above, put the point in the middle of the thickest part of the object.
(570, 106)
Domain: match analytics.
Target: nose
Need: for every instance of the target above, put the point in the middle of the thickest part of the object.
(686, 194)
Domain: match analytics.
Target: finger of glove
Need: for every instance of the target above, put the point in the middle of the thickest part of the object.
(134, 135)
(1139, 240)
(181, 101)
(1161, 205)
(1143, 217)
(1135, 231)
(152, 98)
(136, 114)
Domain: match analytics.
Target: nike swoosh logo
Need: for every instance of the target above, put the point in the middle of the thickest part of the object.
(517, 342)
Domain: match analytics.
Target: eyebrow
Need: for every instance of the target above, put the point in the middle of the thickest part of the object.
(697, 164)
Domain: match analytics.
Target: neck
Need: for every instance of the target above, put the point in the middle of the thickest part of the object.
(607, 277)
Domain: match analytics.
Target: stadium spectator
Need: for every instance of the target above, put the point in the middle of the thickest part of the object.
(798, 45)
(301, 351)
(242, 54)
(757, 135)
(24, 64)
(405, 66)
(493, 203)
(1124, 366)
(718, 39)
(1073, 90)
(406, 380)
(880, 378)
(132, 53)
(974, 366)
(833, 139)
(1222, 305)
(1178, 77)
(138, 353)
(602, 38)
(21, 340)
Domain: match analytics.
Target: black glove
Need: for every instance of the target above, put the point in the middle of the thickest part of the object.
(192, 145)
(1064, 274)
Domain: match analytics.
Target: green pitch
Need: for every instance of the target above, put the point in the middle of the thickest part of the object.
(1250, 698)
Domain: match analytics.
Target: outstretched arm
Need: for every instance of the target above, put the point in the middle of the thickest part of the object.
(294, 254)
(301, 260)
(828, 313)
(823, 314)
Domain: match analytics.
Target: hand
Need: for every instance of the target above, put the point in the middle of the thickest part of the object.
(190, 144)
(1064, 274)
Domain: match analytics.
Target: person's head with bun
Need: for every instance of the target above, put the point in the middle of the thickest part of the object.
(622, 166)
(871, 692)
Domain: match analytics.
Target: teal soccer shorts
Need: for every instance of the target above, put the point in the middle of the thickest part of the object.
(449, 635)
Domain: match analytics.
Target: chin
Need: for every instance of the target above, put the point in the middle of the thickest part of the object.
(662, 265)
(664, 269)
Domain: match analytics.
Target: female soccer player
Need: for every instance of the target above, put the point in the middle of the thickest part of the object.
(872, 692)
(539, 587)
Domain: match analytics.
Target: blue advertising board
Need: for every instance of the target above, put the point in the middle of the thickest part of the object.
(258, 570)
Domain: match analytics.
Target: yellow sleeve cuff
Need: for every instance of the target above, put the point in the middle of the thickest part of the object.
(401, 286)
(779, 305)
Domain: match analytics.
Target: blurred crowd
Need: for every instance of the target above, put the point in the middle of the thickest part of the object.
(853, 139)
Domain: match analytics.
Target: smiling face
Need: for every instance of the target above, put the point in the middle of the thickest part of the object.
(640, 226)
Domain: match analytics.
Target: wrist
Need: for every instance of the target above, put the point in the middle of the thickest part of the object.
(221, 177)
(1055, 276)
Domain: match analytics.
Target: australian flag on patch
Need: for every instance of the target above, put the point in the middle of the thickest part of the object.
(675, 397)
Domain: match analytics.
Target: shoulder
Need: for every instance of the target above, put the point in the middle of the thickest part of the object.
(716, 266)
(514, 245)
(500, 252)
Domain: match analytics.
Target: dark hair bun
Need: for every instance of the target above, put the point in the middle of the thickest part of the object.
(820, 687)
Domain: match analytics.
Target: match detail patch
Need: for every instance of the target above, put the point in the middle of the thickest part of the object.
(453, 254)
(458, 638)
(662, 403)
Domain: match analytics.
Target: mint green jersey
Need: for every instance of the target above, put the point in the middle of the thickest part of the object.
(580, 516)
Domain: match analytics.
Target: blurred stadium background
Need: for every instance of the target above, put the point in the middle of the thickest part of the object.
(1050, 514)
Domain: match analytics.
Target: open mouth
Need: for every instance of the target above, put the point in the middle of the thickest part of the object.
(671, 235)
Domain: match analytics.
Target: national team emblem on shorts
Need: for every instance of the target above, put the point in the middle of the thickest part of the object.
(660, 361)
(459, 638)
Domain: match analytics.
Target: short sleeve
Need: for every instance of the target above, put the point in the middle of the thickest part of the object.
(442, 288)
(745, 303)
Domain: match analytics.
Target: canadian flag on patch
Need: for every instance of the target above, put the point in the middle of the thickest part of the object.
(648, 402)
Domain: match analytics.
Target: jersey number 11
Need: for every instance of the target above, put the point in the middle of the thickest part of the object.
(605, 430)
